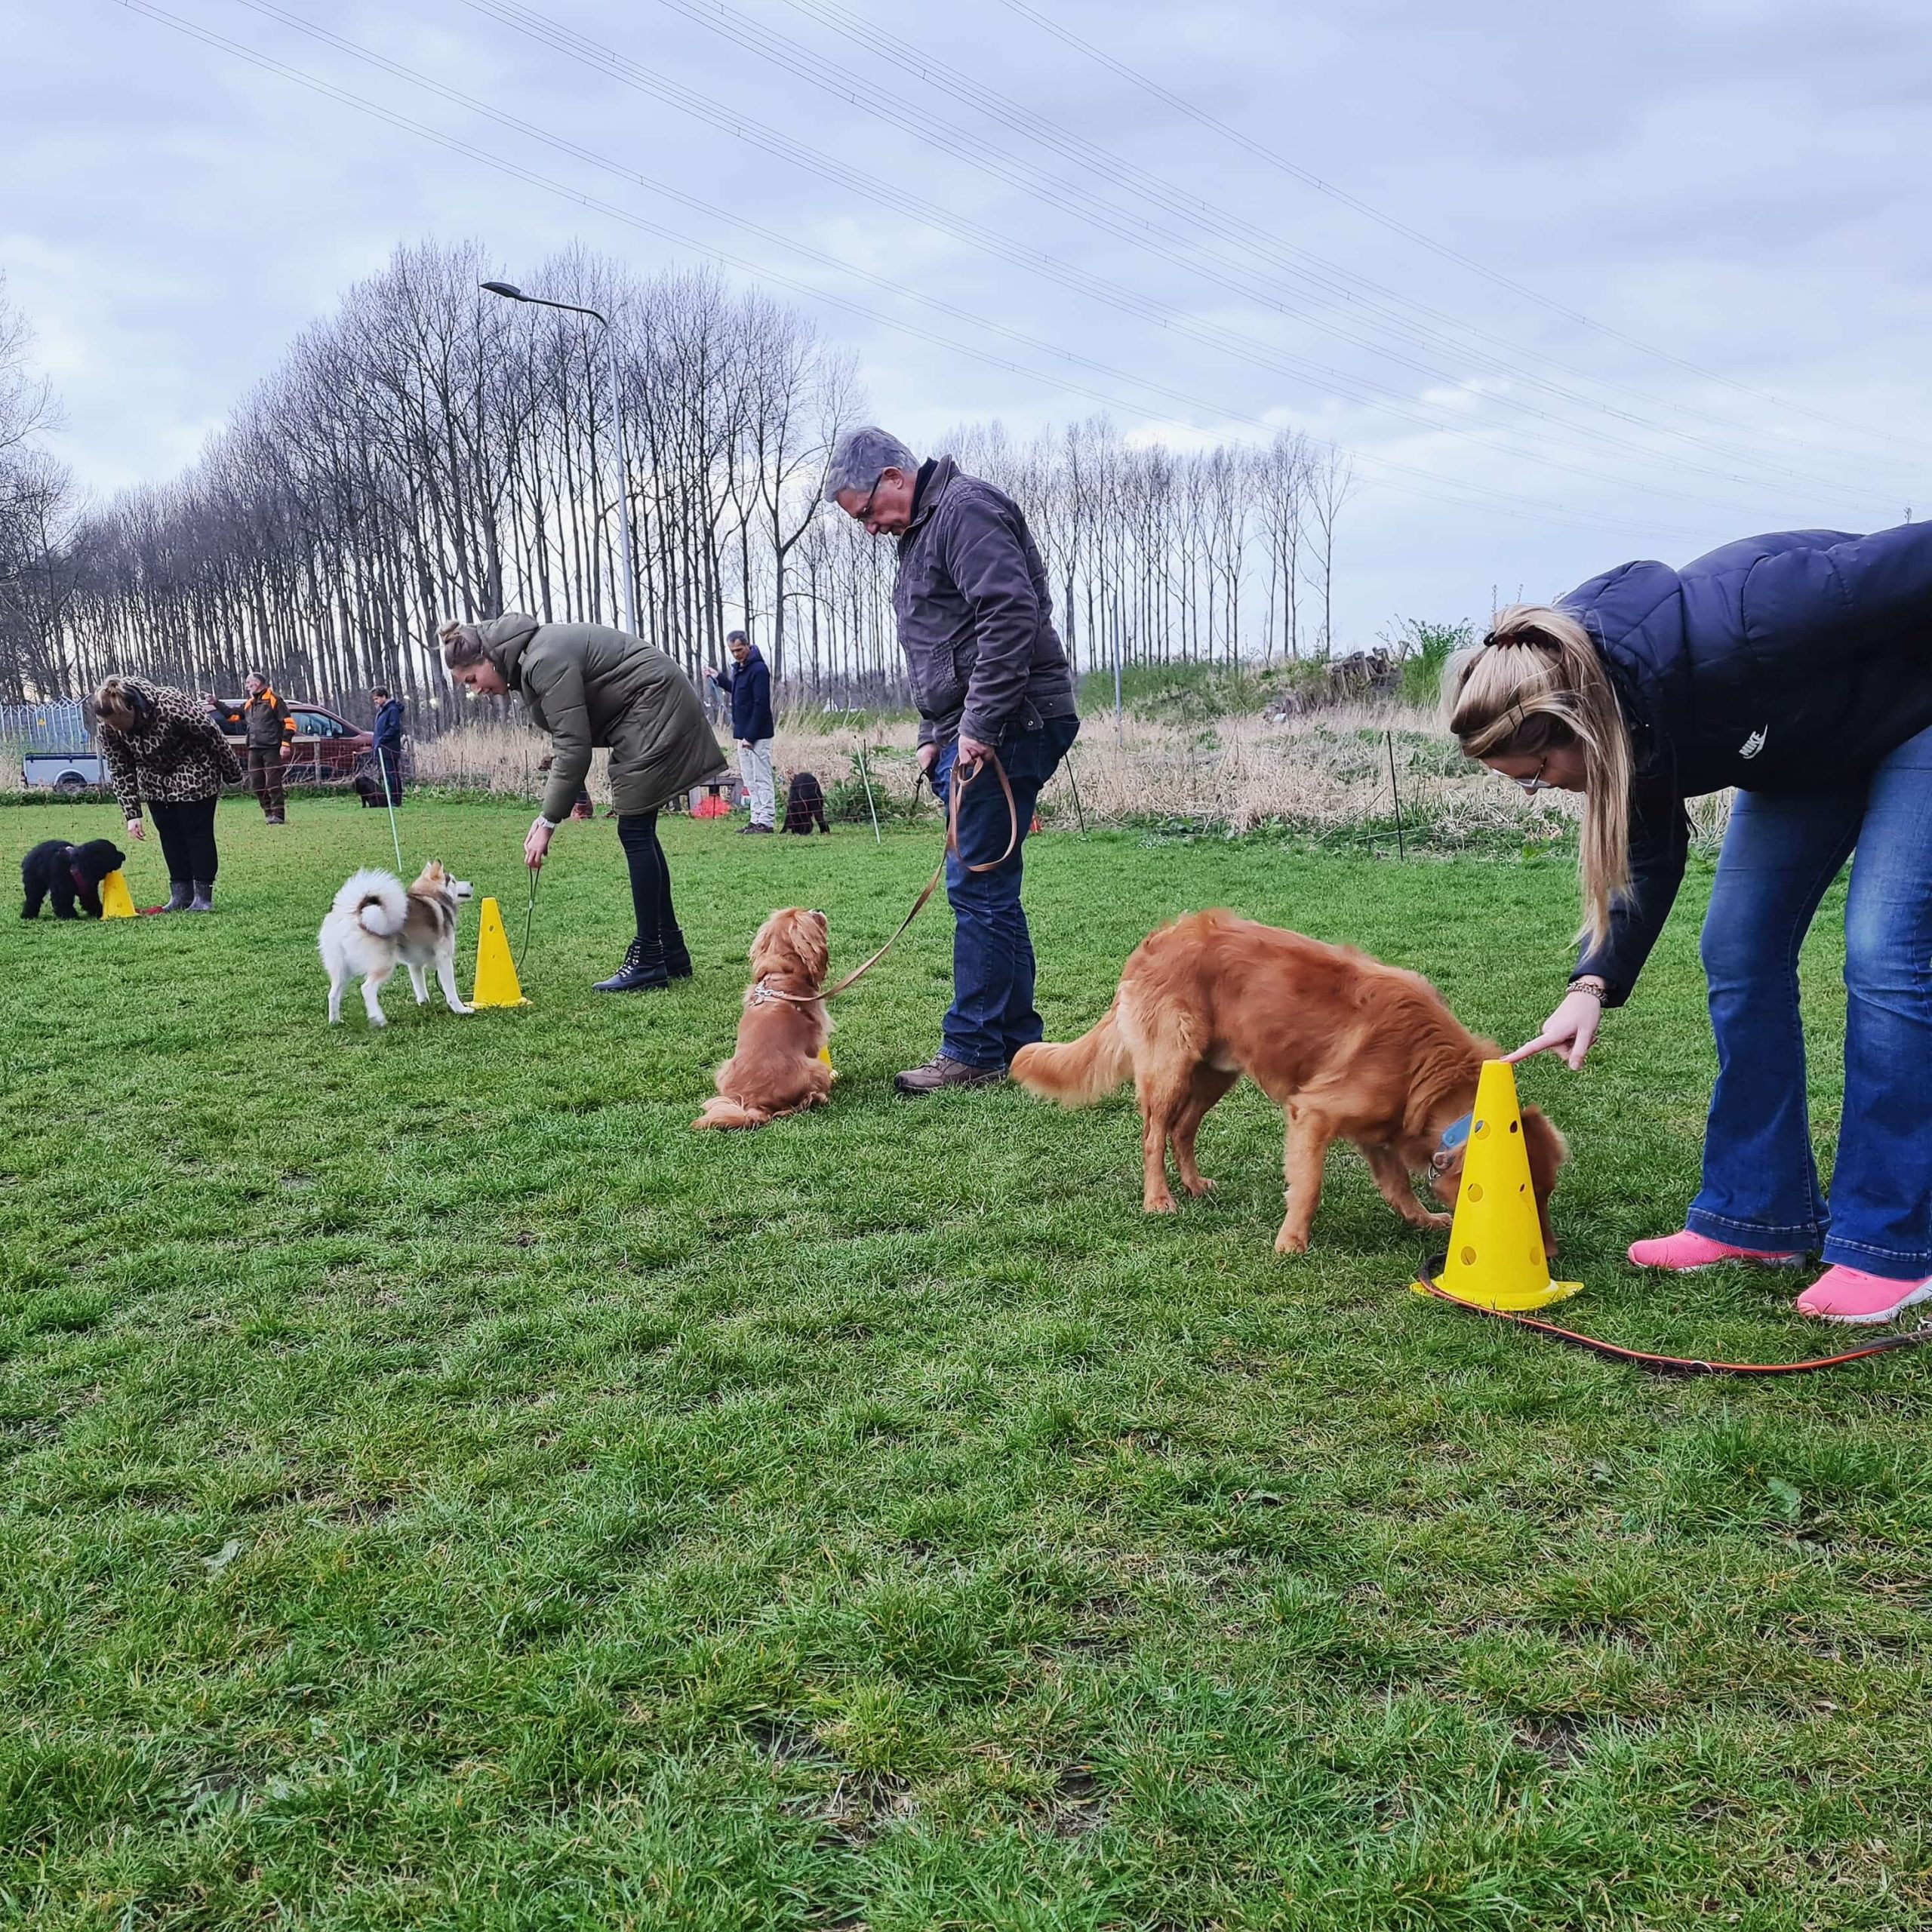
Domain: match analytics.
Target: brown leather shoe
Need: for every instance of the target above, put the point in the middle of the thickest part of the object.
(940, 1071)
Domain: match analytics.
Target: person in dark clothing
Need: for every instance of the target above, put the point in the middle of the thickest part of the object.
(1798, 667)
(989, 676)
(160, 745)
(268, 727)
(385, 743)
(749, 688)
(588, 686)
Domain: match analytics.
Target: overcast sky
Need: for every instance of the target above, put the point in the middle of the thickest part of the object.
(1573, 285)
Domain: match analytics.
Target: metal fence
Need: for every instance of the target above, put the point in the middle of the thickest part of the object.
(60, 724)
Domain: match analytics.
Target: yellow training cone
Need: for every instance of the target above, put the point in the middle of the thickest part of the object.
(496, 971)
(116, 902)
(1496, 1255)
(825, 1054)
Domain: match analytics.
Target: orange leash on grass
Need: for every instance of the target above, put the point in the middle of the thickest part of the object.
(1672, 1364)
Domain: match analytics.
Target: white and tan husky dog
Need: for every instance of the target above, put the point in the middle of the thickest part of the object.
(375, 926)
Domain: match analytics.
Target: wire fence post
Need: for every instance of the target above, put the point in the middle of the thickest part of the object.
(1394, 792)
(389, 799)
(866, 779)
(1079, 810)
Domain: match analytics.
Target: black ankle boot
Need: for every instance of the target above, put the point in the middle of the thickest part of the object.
(641, 972)
(677, 956)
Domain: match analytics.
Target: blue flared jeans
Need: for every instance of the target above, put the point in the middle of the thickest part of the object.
(1761, 1188)
(991, 1016)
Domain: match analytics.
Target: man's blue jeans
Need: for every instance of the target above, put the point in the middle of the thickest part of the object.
(991, 1016)
(1761, 1186)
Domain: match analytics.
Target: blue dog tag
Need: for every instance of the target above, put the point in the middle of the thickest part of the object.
(1455, 1133)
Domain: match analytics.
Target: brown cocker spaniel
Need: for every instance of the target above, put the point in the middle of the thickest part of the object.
(777, 1069)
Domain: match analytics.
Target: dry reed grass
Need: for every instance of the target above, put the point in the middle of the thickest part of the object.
(1323, 773)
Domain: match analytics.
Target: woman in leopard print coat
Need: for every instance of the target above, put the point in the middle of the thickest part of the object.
(162, 746)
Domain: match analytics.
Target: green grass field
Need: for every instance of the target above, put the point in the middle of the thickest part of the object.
(442, 1491)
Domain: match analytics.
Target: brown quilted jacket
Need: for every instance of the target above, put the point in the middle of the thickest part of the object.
(175, 754)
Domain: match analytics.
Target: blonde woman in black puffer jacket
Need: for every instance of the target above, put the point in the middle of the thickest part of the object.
(162, 746)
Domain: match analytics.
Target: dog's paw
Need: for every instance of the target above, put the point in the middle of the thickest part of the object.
(1158, 1204)
(459, 1009)
(1199, 1186)
(1290, 1241)
(376, 1020)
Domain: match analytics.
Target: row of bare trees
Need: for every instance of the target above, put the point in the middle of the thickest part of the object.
(36, 500)
(433, 450)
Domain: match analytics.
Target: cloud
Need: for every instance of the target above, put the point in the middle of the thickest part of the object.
(1735, 186)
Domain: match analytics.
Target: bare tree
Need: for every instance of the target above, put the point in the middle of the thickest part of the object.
(430, 450)
(1330, 482)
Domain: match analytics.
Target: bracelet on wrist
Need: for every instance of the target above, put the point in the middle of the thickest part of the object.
(1594, 988)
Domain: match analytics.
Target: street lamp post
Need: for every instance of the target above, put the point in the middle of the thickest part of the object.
(510, 292)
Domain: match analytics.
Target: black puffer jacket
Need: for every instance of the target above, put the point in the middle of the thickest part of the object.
(1791, 663)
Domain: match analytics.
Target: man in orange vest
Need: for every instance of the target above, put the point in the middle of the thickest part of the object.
(269, 730)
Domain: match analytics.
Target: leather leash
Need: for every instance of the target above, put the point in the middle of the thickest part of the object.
(1672, 1364)
(955, 792)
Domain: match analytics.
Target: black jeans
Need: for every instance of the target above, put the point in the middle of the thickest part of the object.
(187, 839)
(389, 769)
(651, 884)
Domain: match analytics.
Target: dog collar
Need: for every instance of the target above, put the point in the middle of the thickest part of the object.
(1455, 1133)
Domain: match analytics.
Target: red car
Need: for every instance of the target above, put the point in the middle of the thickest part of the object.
(328, 748)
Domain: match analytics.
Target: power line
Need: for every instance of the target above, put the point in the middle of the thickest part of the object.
(1392, 311)
(605, 60)
(1427, 484)
(802, 63)
(1448, 253)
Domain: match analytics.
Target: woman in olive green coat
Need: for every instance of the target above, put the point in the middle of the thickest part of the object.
(589, 686)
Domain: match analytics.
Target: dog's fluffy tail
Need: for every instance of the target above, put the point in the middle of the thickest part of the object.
(1081, 1072)
(376, 901)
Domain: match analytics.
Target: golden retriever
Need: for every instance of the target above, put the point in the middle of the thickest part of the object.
(1348, 1048)
(776, 1068)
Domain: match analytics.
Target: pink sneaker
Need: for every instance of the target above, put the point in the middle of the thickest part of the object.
(1850, 1294)
(1684, 1251)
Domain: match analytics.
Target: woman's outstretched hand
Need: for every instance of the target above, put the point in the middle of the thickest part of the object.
(537, 843)
(1571, 1031)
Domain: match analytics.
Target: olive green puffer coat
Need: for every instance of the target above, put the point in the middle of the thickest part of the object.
(588, 686)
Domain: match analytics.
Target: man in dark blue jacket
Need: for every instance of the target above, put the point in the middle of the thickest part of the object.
(386, 747)
(748, 685)
(1798, 669)
(989, 676)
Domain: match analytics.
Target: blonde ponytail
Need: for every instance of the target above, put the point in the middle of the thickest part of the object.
(1535, 683)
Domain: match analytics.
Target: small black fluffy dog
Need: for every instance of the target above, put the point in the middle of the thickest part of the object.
(55, 870)
(804, 804)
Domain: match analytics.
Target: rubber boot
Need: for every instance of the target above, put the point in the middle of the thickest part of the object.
(180, 891)
(203, 899)
(641, 972)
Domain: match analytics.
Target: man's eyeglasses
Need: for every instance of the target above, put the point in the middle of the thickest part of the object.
(865, 509)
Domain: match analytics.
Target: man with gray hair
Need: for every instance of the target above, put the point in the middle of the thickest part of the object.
(990, 677)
